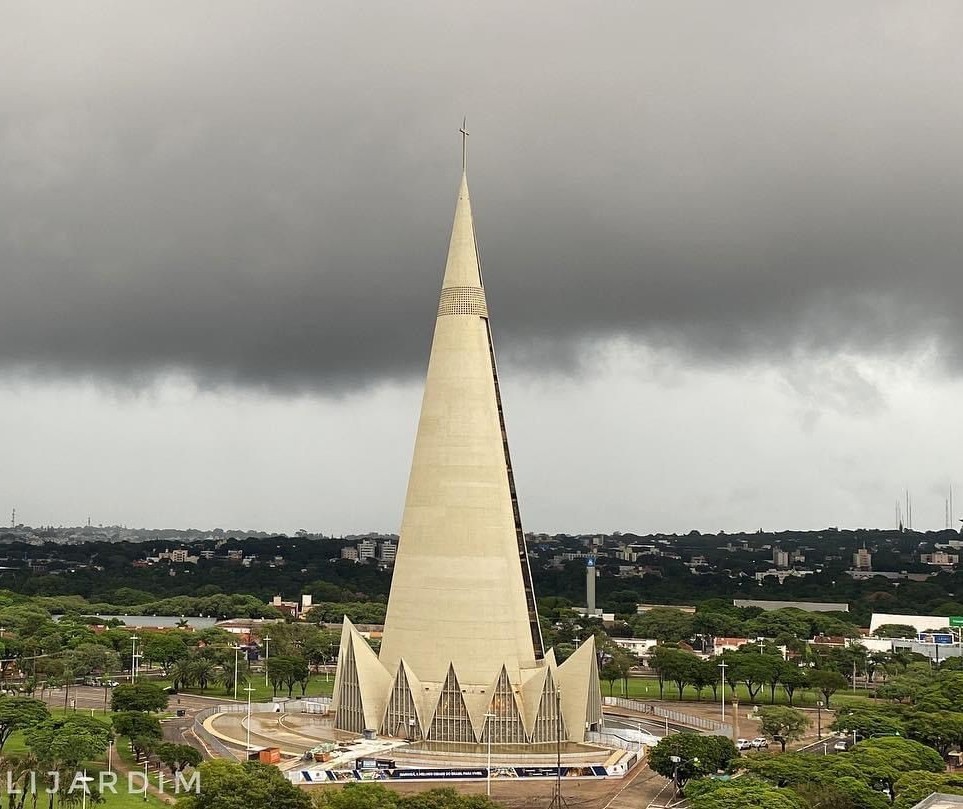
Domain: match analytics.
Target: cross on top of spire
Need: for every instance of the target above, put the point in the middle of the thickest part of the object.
(464, 144)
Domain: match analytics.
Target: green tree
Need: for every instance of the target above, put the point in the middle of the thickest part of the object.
(826, 682)
(676, 665)
(783, 724)
(707, 674)
(178, 757)
(278, 670)
(202, 672)
(445, 798)
(610, 673)
(866, 722)
(91, 658)
(241, 786)
(832, 782)
(697, 756)
(896, 631)
(942, 731)
(139, 697)
(166, 647)
(68, 741)
(288, 671)
(743, 793)
(663, 624)
(357, 796)
(841, 793)
(751, 668)
(885, 759)
(19, 713)
(791, 677)
(913, 787)
(137, 724)
(181, 673)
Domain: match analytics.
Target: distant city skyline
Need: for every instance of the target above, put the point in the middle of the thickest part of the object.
(723, 249)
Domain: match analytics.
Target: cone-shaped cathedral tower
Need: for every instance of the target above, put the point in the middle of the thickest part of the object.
(462, 654)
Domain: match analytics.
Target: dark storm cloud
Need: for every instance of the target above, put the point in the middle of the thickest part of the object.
(261, 193)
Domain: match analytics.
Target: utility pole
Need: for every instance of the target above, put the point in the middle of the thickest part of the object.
(247, 749)
(267, 654)
(558, 802)
(488, 773)
(722, 666)
(237, 665)
(133, 658)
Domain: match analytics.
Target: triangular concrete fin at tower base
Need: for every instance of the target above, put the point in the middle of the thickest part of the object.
(451, 720)
(578, 684)
(502, 719)
(532, 686)
(405, 711)
(361, 683)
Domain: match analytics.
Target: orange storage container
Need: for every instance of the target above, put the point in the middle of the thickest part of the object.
(270, 755)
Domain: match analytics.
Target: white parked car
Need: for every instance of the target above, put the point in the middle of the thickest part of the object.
(743, 744)
(760, 742)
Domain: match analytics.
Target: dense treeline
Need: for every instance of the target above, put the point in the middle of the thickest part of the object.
(98, 570)
(103, 573)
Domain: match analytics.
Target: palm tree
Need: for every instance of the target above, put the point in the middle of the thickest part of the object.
(182, 673)
(202, 672)
(227, 676)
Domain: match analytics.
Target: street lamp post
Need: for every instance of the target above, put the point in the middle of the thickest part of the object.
(237, 648)
(247, 750)
(488, 773)
(676, 761)
(819, 719)
(267, 656)
(133, 657)
(723, 666)
(110, 750)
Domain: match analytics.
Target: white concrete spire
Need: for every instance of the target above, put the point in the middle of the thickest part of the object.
(462, 267)
(461, 628)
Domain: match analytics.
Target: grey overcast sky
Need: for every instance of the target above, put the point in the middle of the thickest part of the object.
(722, 246)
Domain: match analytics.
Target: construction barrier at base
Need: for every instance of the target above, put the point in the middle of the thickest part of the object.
(449, 773)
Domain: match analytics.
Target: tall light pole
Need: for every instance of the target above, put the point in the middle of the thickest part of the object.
(237, 648)
(247, 749)
(558, 802)
(722, 666)
(488, 772)
(267, 656)
(133, 657)
(819, 719)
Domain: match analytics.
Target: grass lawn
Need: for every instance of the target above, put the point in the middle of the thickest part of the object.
(644, 688)
(317, 687)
